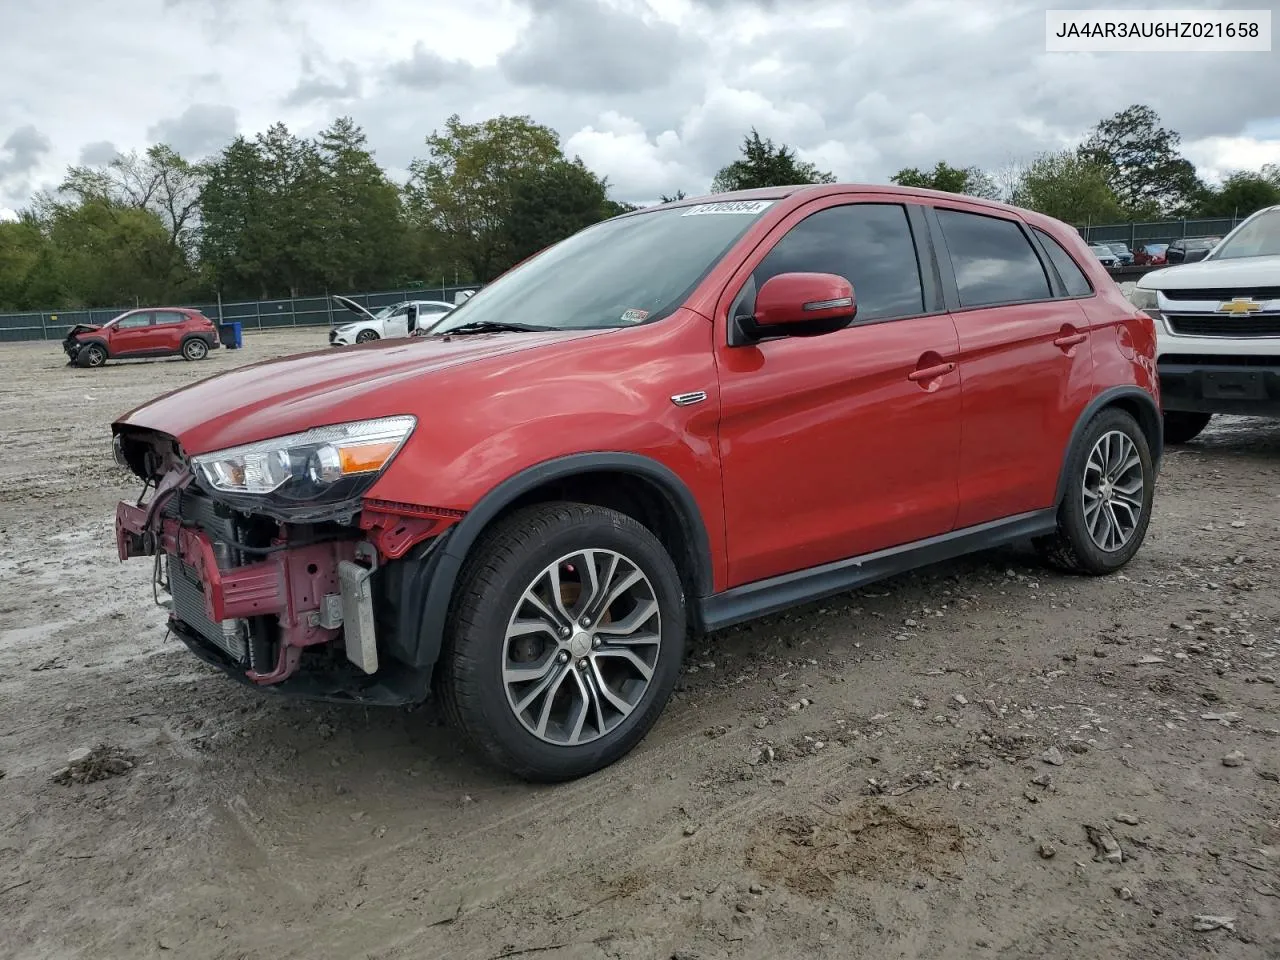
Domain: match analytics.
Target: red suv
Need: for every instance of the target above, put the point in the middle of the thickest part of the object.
(153, 332)
(676, 420)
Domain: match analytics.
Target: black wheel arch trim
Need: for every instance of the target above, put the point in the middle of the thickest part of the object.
(1153, 429)
(422, 645)
(187, 338)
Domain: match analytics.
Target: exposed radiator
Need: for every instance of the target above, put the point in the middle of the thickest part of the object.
(230, 636)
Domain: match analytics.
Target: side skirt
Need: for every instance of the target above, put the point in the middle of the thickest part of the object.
(791, 589)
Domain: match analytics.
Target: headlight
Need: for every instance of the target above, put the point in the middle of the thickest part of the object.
(322, 465)
(1146, 300)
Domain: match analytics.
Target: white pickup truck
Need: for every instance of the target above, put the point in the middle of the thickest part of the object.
(1218, 329)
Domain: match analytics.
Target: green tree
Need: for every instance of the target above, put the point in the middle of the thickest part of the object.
(764, 164)
(264, 208)
(968, 180)
(1067, 186)
(678, 195)
(463, 191)
(159, 180)
(1241, 194)
(22, 244)
(365, 235)
(550, 204)
(1143, 167)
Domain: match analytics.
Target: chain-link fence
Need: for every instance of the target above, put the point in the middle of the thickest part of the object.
(253, 315)
(1161, 231)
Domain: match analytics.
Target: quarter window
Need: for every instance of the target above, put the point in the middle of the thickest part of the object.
(1073, 277)
(992, 259)
(869, 244)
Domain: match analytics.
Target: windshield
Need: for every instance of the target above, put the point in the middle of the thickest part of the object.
(387, 311)
(1260, 237)
(615, 274)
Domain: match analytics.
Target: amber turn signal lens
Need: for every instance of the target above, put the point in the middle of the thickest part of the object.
(365, 458)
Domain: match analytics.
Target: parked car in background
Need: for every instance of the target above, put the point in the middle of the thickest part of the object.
(1105, 255)
(149, 332)
(1190, 249)
(1218, 329)
(677, 420)
(397, 320)
(1122, 252)
(1150, 254)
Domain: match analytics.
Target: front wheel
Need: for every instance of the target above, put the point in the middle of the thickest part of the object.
(1184, 427)
(565, 640)
(1103, 517)
(94, 355)
(365, 336)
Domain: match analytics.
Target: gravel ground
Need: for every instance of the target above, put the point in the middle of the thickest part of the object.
(984, 759)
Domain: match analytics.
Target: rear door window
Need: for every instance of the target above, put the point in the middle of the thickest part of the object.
(993, 260)
(1073, 277)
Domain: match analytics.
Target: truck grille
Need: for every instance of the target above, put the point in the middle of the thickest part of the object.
(196, 510)
(1221, 325)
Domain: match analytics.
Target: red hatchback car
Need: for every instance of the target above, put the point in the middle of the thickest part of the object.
(152, 332)
(674, 421)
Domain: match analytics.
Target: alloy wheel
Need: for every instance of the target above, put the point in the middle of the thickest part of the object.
(1113, 490)
(581, 647)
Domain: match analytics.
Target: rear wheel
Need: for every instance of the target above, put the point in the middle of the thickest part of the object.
(565, 640)
(94, 355)
(195, 349)
(1103, 517)
(1184, 427)
(364, 336)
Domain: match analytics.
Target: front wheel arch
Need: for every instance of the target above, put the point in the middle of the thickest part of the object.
(425, 629)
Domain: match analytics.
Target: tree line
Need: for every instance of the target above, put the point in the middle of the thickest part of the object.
(278, 215)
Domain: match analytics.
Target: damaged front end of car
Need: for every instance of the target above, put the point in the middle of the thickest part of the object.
(276, 567)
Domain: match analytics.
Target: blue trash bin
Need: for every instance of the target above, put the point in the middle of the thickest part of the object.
(232, 335)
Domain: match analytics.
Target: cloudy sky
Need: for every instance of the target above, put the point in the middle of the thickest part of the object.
(654, 94)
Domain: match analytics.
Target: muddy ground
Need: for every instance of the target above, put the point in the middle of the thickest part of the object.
(913, 770)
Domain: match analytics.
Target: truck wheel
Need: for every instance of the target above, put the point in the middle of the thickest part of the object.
(195, 349)
(564, 642)
(94, 355)
(1103, 517)
(364, 336)
(1183, 427)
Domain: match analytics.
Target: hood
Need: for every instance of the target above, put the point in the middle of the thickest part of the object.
(80, 328)
(278, 397)
(360, 312)
(1216, 274)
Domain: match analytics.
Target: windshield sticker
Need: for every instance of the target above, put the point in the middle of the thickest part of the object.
(746, 207)
(634, 316)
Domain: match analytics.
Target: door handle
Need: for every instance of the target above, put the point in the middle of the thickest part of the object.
(1071, 339)
(929, 373)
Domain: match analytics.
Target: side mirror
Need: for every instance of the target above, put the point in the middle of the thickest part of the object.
(800, 305)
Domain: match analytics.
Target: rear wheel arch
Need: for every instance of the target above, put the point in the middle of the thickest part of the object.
(635, 485)
(1132, 400)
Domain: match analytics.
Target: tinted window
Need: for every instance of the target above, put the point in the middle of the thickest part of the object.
(869, 244)
(993, 261)
(170, 317)
(134, 321)
(1073, 277)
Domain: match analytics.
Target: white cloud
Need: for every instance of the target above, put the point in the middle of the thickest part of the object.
(655, 94)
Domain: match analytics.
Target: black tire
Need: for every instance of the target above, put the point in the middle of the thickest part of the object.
(1072, 548)
(367, 336)
(92, 355)
(195, 349)
(499, 568)
(1183, 427)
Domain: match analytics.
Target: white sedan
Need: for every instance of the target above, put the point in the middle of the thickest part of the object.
(398, 320)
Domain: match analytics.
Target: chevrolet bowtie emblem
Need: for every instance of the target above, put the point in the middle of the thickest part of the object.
(1239, 305)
